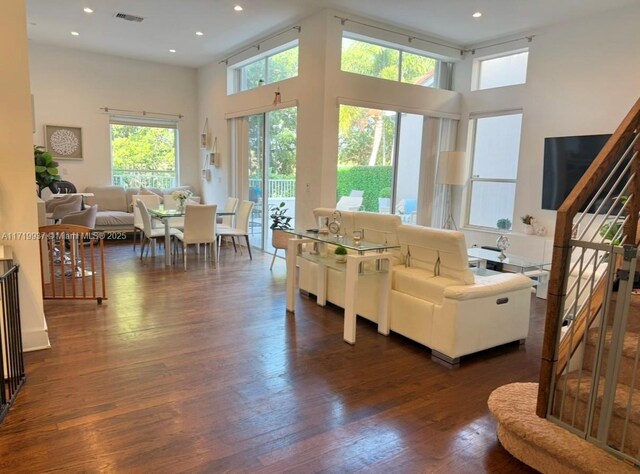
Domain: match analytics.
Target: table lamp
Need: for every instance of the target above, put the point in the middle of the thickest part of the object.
(452, 171)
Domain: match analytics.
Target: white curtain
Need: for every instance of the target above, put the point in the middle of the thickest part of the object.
(439, 134)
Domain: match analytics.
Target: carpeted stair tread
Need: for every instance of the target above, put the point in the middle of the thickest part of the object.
(540, 443)
(629, 348)
(584, 388)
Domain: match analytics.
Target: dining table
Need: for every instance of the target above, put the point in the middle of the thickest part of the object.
(165, 215)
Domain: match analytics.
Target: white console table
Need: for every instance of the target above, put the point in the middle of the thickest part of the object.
(353, 268)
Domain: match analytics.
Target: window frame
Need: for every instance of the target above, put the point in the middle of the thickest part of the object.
(440, 82)
(473, 118)
(477, 68)
(237, 70)
(148, 122)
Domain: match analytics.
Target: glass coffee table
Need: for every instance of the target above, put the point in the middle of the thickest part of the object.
(537, 270)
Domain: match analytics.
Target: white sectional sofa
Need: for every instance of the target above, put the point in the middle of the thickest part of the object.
(433, 296)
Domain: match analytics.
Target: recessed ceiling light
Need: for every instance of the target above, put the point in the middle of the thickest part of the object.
(477, 14)
(87, 10)
(172, 50)
(199, 33)
(75, 33)
(238, 8)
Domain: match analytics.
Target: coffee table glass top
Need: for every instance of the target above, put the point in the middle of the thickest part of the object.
(514, 260)
(345, 241)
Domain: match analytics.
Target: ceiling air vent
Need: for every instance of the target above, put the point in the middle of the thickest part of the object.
(126, 16)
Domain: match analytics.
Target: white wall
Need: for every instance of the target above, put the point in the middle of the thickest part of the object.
(70, 86)
(18, 212)
(317, 89)
(582, 79)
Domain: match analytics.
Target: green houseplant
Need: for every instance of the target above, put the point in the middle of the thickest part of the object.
(46, 168)
(279, 219)
(341, 253)
(279, 223)
(504, 224)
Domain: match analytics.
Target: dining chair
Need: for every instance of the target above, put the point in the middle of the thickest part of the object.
(199, 228)
(85, 218)
(230, 206)
(241, 229)
(150, 233)
(151, 201)
(73, 204)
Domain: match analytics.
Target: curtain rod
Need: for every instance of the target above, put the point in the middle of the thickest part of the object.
(140, 112)
(410, 38)
(473, 50)
(257, 45)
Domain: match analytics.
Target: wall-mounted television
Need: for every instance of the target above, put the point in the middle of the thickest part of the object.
(565, 161)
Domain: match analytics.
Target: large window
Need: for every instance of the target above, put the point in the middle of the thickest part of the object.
(269, 68)
(379, 161)
(496, 148)
(498, 71)
(143, 152)
(394, 64)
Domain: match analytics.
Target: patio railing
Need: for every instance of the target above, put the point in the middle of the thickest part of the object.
(147, 178)
(278, 188)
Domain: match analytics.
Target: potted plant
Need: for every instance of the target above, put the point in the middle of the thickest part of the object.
(528, 221)
(279, 223)
(503, 224)
(46, 169)
(384, 201)
(341, 254)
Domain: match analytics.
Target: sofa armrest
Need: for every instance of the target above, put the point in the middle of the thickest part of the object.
(489, 286)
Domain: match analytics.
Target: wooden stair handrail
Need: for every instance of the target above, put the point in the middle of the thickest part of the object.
(588, 184)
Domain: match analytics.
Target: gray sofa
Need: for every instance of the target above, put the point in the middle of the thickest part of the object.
(115, 205)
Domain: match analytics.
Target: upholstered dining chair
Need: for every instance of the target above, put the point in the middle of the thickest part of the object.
(230, 206)
(151, 201)
(150, 234)
(86, 217)
(73, 204)
(199, 228)
(241, 229)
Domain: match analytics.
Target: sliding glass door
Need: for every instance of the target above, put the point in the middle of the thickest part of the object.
(271, 163)
(379, 155)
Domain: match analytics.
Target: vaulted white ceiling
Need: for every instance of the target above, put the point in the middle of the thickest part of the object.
(172, 24)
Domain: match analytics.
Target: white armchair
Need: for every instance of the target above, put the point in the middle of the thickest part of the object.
(437, 301)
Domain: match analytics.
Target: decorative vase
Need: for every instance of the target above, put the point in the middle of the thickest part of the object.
(180, 206)
(341, 258)
(528, 229)
(503, 244)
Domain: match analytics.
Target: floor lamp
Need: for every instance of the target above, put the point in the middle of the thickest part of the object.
(452, 170)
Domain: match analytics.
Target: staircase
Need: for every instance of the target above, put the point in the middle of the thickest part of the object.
(589, 391)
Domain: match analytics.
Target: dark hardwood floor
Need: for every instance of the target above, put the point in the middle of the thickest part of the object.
(203, 371)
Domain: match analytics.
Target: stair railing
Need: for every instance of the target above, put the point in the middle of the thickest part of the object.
(595, 244)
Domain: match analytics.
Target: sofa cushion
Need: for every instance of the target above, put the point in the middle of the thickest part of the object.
(114, 219)
(493, 285)
(420, 283)
(108, 198)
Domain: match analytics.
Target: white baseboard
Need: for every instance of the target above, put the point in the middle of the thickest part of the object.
(35, 340)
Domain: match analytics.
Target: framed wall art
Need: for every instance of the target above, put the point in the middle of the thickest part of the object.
(64, 143)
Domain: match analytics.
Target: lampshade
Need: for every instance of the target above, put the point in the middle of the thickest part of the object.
(452, 168)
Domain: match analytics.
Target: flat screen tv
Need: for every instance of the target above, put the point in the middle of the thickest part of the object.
(565, 161)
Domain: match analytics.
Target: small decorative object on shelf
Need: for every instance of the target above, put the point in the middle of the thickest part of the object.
(503, 244)
(341, 254)
(336, 223)
(529, 223)
(504, 224)
(181, 198)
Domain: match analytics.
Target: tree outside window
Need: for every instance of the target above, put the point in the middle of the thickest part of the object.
(143, 155)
